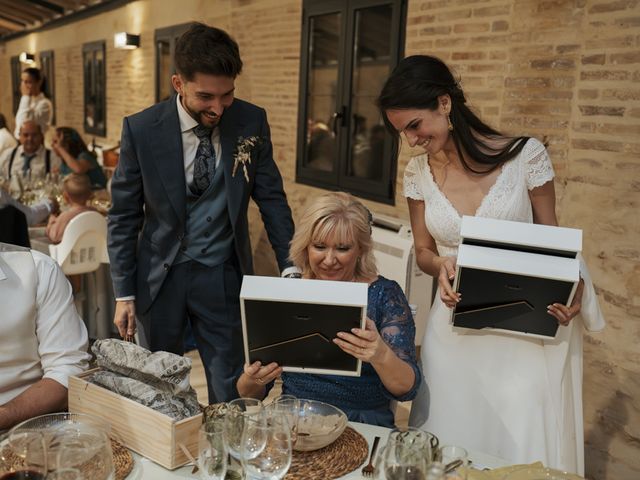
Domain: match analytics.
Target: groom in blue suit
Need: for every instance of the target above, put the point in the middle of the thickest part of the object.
(178, 231)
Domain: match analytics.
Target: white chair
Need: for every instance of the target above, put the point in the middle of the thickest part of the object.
(84, 244)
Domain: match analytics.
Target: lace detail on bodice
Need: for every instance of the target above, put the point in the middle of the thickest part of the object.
(507, 199)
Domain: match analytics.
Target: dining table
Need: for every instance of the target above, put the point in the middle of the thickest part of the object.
(145, 469)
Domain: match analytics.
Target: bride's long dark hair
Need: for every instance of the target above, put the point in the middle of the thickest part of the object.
(417, 82)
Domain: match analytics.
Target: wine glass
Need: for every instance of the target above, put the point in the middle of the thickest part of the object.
(30, 446)
(266, 447)
(450, 454)
(85, 448)
(288, 406)
(212, 453)
(404, 457)
(238, 412)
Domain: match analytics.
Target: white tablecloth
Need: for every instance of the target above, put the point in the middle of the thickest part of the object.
(145, 469)
(96, 303)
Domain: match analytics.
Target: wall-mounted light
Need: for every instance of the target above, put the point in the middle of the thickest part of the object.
(28, 58)
(126, 40)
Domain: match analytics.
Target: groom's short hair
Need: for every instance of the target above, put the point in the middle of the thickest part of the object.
(209, 50)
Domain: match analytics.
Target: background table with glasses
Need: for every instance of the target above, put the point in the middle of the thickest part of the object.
(145, 469)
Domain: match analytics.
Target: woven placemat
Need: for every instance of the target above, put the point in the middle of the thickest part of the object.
(122, 461)
(341, 457)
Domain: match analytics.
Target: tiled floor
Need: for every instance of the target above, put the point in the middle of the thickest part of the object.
(199, 383)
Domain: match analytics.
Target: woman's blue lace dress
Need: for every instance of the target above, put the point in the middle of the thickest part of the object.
(365, 399)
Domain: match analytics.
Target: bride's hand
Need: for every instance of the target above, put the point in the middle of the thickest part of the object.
(565, 314)
(445, 277)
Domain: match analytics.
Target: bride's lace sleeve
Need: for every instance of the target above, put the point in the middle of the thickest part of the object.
(398, 331)
(538, 167)
(412, 182)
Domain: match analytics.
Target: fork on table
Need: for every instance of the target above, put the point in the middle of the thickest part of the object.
(367, 470)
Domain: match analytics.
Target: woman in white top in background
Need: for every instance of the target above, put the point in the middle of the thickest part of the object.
(512, 397)
(33, 104)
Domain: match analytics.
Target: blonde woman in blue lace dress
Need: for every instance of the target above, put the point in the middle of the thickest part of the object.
(333, 242)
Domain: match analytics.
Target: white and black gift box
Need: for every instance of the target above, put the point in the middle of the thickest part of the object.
(509, 272)
(293, 322)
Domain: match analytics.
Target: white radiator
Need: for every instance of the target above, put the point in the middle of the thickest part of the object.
(395, 258)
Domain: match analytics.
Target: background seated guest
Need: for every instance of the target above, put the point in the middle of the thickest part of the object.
(42, 339)
(33, 104)
(36, 213)
(7, 141)
(333, 242)
(76, 190)
(30, 156)
(76, 157)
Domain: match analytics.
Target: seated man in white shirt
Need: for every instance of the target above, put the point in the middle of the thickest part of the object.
(30, 156)
(42, 339)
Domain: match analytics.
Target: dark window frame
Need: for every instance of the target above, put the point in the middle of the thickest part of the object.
(16, 78)
(89, 51)
(167, 34)
(47, 65)
(382, 190)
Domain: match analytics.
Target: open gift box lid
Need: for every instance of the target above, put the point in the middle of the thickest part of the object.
(509, 272)
(293, 322)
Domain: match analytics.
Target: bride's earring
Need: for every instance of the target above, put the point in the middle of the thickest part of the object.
(450, 125)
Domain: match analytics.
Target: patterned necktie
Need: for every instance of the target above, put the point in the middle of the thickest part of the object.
(205, 162)
(26, 162)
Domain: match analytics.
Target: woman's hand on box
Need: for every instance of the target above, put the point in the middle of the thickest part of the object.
(366, 345)
(565, 314)
(447, 273)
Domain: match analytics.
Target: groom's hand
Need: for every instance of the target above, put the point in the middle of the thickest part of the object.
(125, 317)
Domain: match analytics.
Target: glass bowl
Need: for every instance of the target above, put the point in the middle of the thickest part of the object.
(319, 425)
(57, 427)
(540, 473)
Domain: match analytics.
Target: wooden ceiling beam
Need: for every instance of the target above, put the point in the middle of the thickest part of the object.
(18, 8)
(9, 25)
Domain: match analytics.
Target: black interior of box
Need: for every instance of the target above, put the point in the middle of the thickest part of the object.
(508, 301)
(299, 334)
(520, 248)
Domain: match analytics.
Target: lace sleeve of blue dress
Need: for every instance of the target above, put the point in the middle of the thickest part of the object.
(396, 327)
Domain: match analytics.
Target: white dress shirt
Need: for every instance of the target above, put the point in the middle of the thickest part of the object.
(41, 334)
(37, 164)
(190, 142)
(38, 109)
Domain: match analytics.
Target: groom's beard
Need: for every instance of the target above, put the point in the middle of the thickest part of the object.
(208, 119)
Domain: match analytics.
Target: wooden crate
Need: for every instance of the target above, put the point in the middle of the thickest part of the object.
(143, 430)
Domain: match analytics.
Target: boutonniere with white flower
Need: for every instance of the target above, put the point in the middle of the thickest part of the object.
(242, 154)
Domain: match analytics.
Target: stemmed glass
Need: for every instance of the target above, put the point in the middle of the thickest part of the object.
(239, 411)
(405, 455)
(212, 453)
(450, 454)
(30, 446)
(266, 447)
(83, 447)
(288, 406)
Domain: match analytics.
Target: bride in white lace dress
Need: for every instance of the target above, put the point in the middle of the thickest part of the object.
(516, 398)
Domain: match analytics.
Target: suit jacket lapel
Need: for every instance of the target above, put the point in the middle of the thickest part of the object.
(230, 129)
(166, 145)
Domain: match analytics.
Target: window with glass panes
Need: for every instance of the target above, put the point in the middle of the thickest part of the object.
(349, 47)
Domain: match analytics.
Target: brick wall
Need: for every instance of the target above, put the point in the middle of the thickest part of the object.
(567, 70)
